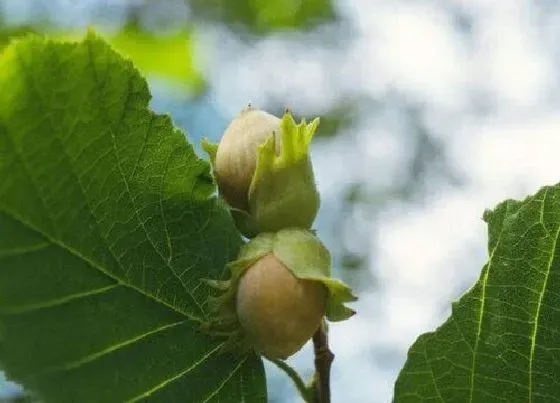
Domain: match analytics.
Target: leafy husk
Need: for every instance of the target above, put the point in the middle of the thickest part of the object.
(306, 258)
(282, 191)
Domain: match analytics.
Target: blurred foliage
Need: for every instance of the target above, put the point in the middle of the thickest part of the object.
(429, 160)
(335, 120)
(265, 16)
(7, 33)
(167, 55)
(158, 37)
(18, 399)
(427, 165)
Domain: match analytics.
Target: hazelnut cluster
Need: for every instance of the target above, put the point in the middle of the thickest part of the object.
(280, 286)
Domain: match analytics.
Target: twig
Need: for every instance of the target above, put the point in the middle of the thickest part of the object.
(302, 388)
(323, 361)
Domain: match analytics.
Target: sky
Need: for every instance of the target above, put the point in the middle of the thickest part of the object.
(483, 72)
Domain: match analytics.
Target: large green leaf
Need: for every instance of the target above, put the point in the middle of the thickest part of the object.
(502, 341)
(107, 225)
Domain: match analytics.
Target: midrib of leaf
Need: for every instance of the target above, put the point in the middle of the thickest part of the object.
(541, 296)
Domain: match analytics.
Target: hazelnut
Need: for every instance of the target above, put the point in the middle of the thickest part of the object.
(278, 312)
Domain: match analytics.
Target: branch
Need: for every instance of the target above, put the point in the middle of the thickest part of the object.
(323, 361)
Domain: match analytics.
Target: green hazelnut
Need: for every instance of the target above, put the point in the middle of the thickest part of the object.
(278, 312)
(264, 173)
(279, 290)
(236, 156)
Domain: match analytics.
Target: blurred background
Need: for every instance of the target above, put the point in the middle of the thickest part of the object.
(431, 111)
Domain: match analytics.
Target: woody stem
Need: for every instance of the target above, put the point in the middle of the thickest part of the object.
(323, 361)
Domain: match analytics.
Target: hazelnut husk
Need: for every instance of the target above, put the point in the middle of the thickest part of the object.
(264, 173)
(279, 290)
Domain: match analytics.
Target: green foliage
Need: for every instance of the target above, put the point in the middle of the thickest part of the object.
(7, 33)
(168, 55)
(107, 225)
(501, 342)
(264, 16)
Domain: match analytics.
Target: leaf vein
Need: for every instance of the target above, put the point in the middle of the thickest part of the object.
(432, 372)
(96, 265)
(57, 302)
(116, 347)
(127, 185)
(540, 303)
(225, 380)
(177, 376)
(24, 250)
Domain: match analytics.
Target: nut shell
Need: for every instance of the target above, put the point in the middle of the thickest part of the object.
(277, 311)
(236, 157)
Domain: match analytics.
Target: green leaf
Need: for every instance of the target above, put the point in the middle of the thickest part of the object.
(107, 225)
(9, 32)
(501, 343)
